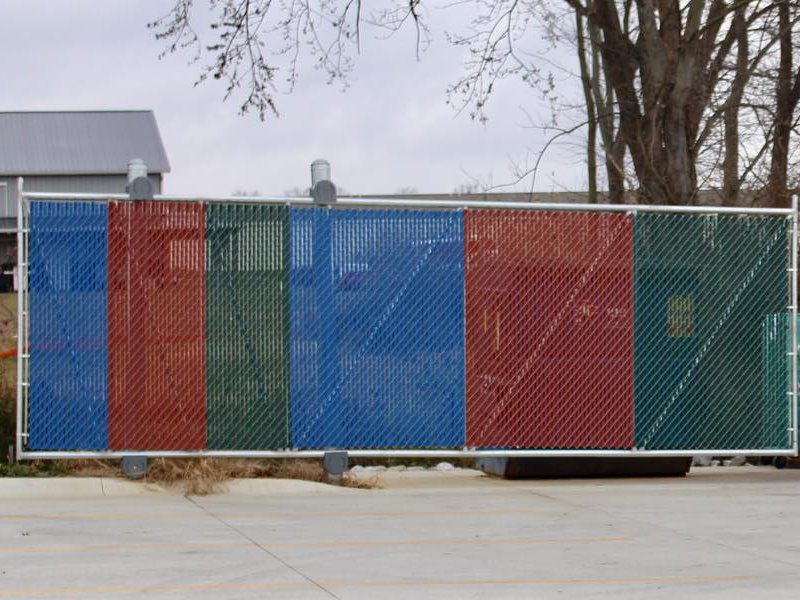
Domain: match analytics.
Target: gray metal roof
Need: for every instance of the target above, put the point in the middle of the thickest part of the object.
(83, 142)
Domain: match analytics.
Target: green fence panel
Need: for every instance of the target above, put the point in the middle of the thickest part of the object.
(247, 321)
(776, 346)
(704, 285)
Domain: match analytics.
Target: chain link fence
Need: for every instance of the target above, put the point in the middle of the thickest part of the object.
(704, 286)
(156, 326)
(247, 333)
(67, 288)
(377, 328)
(227, 328)
(549, 329)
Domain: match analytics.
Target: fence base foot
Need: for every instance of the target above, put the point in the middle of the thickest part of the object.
(335, 463)
(554, 468)
(780, 462)
(134, 467)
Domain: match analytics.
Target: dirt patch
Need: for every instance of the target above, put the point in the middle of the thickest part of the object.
(203, 476)
(8, 333)
(8, 416)
(8, 321)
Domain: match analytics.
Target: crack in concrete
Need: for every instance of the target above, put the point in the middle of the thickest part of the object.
(264, 549)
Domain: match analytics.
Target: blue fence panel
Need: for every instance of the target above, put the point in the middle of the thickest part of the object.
(68, 396)
(377, 328)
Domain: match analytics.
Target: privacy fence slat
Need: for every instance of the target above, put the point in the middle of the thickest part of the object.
(157, 368)
(247, 322)
(549, 329)
(68, 326)
(377, 328)
(776, 348)
(704, 286)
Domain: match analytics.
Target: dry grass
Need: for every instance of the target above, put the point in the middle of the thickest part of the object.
(8, 416)
(8, 335)
(362, 483)
(203, 476)
(193, 476)
(8, 321)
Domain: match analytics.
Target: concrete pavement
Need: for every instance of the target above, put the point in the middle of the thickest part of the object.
(719, 533)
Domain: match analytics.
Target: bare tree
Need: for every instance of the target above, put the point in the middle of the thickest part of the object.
(257, 47)
(297, 191)
(683, 93)
(787, 94)
(588, 81)
(407, 190)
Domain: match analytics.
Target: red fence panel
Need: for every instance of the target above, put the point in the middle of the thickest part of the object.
(549, 301)
(156, 305)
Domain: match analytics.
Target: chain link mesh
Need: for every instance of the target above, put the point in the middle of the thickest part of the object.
(247, 321)
(704, 285)
(776, 348)
(68, 394)
(156, 314)
(377, 328)
(184, 326)
(549, 329)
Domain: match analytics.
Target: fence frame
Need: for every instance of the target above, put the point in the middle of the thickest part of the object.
(23, 306)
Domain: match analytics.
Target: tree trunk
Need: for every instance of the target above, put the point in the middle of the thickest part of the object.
(777, 194)
(613, 144)
(655, 80)
(730, 164)
(591, 113)
(615, 168)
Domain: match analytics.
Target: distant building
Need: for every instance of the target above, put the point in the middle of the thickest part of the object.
(72, 151)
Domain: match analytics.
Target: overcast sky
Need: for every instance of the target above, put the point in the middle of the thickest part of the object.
(391, 129)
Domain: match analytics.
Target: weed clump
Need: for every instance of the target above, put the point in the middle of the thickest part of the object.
(203, 476)
(7, 418)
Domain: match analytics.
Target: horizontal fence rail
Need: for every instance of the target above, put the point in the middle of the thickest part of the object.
(277, 327)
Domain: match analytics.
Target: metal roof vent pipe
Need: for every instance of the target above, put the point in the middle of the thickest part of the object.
(322, 189)
(139, 185)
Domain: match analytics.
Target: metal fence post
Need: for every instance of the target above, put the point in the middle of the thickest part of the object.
(794, 323)
(139, 188)
(22, 279)
(324, 193)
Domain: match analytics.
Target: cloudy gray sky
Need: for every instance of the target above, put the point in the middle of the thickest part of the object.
(391, 129)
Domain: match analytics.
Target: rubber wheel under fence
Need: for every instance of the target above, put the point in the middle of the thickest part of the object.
(247, 321)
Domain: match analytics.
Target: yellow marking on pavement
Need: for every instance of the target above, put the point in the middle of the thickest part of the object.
(678, 580)
(102, 548)
(395, 583)
(444, 542)
(145, 516)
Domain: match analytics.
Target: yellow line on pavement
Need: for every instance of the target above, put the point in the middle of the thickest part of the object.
(104, 548)
(276, 585)
(122, 547)
(145, 516)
